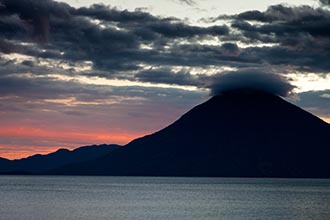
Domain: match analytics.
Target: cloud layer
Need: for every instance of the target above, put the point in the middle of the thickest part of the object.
(126, 44)
(251, 79)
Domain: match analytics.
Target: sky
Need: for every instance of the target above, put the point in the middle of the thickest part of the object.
(80, 72)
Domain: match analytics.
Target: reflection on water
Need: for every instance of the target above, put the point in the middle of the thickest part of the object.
(58, 197)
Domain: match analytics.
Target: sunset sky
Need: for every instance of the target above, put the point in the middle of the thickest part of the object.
(83, 72)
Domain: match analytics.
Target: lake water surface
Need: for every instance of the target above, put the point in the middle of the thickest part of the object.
(69, 198)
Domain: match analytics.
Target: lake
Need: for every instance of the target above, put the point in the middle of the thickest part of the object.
(76, 197)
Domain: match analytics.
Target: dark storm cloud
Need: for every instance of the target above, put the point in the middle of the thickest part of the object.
(303, 60)
(11, 27)
(144, 24)
(166, 76)
(36, 13)
(286, 21)
(325, 2)
(30, 9)
(106, 13)
(285, 14)
(299, 36)
(112, 42)
(120, 43)
(28, 63)
(174, 30)
(251, 79)
(7, 47)
(197, 55)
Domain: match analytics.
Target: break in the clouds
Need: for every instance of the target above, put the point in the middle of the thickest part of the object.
(251, 79)
(100, 68)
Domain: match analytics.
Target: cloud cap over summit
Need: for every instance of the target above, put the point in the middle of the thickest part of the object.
(251, 79)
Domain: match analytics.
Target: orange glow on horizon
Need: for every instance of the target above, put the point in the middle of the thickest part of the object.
(26, 151)
(55, 140)
(120, 138)
(326, 119)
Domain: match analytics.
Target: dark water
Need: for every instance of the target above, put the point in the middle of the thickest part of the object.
(68, 198)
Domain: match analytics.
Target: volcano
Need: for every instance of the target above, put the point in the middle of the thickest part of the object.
(239, 133)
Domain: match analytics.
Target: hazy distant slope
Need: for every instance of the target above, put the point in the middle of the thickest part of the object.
(42, 163)
(238, 133)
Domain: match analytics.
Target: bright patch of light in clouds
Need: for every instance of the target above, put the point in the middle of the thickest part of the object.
(309, 82)
(326, 96)
(119, 82)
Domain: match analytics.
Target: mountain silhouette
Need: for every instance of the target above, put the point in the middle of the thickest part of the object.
(38, 164)
(239, 133)
(5, 164)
